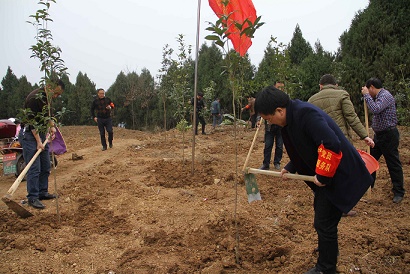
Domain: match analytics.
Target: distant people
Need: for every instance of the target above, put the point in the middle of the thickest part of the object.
(216, 112)
(101, 113)
(251, 107)
(317, 147)
(31, 140)
(273, 135)
(337, 104)
(200, 106)
(386, 135)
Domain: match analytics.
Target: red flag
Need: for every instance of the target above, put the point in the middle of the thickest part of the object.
(241, 10)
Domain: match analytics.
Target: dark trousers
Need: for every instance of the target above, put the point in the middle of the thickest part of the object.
(387, 144)
(105, 124)
(327, 218)
(37, 175)
(253, 120)
(274, 133)
(199, 118)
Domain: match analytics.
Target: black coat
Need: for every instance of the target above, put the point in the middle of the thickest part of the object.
(308, 127)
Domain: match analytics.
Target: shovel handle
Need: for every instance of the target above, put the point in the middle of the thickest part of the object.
(253, 143)
(278, 174)
(17, 182)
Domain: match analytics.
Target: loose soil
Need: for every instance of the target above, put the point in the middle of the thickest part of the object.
(139, 208)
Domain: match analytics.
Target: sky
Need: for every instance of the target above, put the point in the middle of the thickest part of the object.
(103, 37)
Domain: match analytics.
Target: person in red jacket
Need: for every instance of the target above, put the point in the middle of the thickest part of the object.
(101, 114)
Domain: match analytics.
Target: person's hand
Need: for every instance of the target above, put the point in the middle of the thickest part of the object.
(283, 173)
(52, 131)
(40, 145)
(369, 142)
(365, 90)
(95, 119)
(316, 181)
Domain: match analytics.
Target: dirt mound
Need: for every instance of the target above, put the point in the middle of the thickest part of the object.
(139, 208)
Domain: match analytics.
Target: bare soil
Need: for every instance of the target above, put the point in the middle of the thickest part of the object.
(137, 208)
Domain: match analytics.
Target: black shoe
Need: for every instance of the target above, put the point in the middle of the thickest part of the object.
(313, 271)
(47, 196)
(264, 167)
(36, 203)
(110, 145)
(397, 199)
(104, 148)
(203, 133)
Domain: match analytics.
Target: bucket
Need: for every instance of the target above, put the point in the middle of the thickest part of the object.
(371, 164)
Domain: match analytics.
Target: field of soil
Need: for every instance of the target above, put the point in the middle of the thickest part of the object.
(139, 208)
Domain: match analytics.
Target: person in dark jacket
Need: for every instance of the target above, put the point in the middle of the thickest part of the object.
(316, 146)
(32, 140)
(101, 114)
(200, 105)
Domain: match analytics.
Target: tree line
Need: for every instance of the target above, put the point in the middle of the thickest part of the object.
(377, 44)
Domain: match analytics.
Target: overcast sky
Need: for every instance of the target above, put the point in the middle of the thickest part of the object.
(102, 38)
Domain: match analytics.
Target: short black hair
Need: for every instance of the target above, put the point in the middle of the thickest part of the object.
(200, 94)
(98, 90)
(327, 79)
(377, 83)
(269, 99)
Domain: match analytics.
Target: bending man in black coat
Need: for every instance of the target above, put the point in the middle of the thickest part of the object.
(316, 146)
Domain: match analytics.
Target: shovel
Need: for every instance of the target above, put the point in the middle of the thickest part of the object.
(16, 207)
(250, 181)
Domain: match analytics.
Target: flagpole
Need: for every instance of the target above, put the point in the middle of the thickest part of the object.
(198, 23)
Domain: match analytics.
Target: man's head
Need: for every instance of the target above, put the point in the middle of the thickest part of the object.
(200, 95)
(101, 93)
(374, 85)
(57, 88)
(327, 79)
(279, 85)
(271, 104)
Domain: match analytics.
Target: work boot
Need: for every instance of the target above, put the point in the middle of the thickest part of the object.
(36, 203)
(264, 167)
(314, 271)
(110, 145)
(397, 199)
(47, 196)
(104, 148)
(277, 166)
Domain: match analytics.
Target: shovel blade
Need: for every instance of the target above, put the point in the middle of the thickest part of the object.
(16, 207)
(252, 188)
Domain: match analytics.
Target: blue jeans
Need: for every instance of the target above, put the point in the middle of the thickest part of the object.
(216, 119)
(105, 124)
(274, 133)
(327, 218)
(37, 175)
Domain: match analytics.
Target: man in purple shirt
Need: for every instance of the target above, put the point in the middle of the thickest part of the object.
(386, 136)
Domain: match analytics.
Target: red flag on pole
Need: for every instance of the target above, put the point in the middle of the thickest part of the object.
(241, 10)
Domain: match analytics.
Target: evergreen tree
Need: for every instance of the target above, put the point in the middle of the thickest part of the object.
(299, 48)
(9, 84)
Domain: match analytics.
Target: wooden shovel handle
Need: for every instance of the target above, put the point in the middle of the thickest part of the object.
(253, 143)
(366, 119)
(278, 174)
(17, 182)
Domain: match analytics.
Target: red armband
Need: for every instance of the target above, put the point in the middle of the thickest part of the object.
(112, 104)
(247, 106)
(327, 161)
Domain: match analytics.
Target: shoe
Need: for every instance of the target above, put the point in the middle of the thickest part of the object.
(203, 133)
(351, 213)
(397, 199)
(36, 203)
(264, 167)
(104, 148)
(110, 145)
(47, 196)
(277, 166)
(314, 271)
